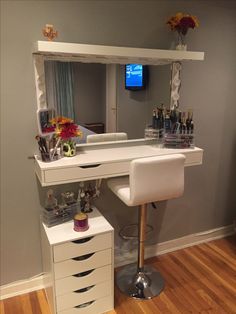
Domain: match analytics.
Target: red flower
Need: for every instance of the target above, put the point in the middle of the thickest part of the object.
(68, 130)
(48, 129)
(185, 23)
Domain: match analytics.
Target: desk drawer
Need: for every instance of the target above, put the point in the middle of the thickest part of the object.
(93, 307)
(84, 279)
(82, 246)
(82, 263)
(77, 172)
(82, 296)
(193, 158)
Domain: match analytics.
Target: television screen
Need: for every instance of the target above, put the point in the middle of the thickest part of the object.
(135, 76)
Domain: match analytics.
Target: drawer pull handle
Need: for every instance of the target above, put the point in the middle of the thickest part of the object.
(84, 304)
(82, 240)
(84, 289)
(83, 257)
(85, 273)
(90, 166)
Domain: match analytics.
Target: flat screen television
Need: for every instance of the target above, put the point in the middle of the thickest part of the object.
(135, 76)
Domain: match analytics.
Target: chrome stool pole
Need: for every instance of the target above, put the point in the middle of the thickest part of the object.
(137, 280)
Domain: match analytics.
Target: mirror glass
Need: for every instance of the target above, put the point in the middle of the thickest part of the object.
(96, 98)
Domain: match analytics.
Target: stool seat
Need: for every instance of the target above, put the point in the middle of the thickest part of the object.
(150, 179)
(120, 187)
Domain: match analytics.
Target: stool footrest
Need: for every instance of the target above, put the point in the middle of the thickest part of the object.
(124, 231)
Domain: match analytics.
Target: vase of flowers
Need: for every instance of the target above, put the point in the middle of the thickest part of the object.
(66, 131)
(181, 23)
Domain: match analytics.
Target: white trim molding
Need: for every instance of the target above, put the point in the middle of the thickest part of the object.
(22, 286)
(130, 256)
(36, 283)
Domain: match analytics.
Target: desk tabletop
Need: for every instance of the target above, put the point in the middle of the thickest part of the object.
(103, 155)
(65, 232)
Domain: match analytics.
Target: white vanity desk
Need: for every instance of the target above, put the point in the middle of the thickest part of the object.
(104, 161)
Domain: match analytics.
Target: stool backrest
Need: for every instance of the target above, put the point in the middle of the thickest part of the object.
(156, 178)
(106, 137)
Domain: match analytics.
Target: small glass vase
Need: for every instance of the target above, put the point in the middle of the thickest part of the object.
(69, 148)
(181, 43)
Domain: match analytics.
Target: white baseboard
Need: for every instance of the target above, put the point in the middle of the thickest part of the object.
(124, 258)
(20, 287)
(36, 283)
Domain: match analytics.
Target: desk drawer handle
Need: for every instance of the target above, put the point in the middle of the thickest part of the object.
(83, 274)
(82, 240)
(83, 257)
(84, 289)
(90, 166)
(84, 304)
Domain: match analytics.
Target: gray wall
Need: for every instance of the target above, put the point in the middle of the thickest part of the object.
(90, 92)
(134, 108)
(208, 87)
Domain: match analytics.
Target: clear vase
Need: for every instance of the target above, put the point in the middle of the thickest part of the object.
(69, 148)
(181, 43)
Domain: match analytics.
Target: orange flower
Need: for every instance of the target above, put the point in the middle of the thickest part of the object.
(195, 19)
(65, 128)
(60, 120)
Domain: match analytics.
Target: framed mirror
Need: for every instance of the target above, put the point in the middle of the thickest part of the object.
(124, 110)
(95, 96)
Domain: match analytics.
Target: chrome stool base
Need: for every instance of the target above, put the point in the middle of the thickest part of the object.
(142, 285)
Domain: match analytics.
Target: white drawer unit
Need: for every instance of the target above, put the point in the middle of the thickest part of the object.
(79, 267)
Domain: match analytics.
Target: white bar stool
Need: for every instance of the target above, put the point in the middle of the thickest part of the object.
(150, 179)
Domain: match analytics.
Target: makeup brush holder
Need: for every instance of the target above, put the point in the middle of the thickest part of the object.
(49, 148)
(154, 134)
(178, 140)
(48, 157)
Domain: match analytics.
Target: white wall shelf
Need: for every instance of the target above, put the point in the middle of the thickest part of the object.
(112, 54)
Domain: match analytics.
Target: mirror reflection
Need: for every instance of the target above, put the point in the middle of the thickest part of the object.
(97, 98)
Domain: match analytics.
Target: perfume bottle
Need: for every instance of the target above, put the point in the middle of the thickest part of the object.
(50, 201)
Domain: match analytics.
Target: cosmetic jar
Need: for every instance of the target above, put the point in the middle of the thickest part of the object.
(81, 222)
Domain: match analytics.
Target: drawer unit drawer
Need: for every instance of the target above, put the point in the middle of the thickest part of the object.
(82, 296)
(93, 307)
(82, 280)
(77, 172)
(81, 247)
(82, 263)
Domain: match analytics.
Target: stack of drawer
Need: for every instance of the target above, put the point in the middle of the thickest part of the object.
(82, 272)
